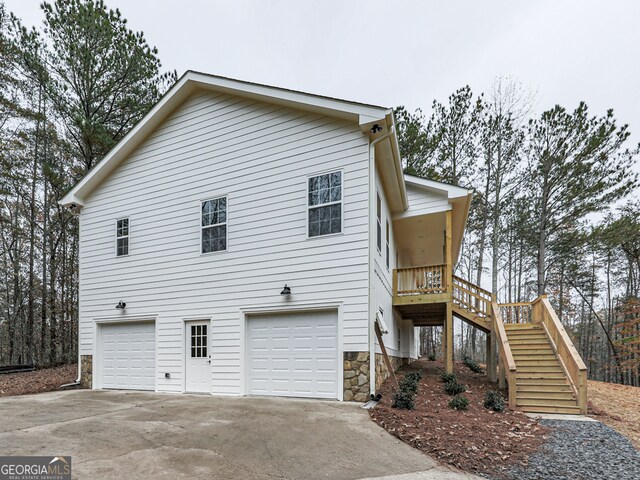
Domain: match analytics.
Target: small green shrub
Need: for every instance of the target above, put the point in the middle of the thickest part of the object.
(472, 365)
(403, 400)
(448, 377)
(432, 358)
(454, 388)
(409, 387)
(413, 376)
(494, 401)
(459, 402)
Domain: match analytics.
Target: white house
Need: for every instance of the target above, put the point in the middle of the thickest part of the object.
(242, 240)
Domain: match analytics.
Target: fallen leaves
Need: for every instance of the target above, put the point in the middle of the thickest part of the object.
(44, 380)
(617, 406)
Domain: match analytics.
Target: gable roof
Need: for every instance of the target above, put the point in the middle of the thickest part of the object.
(363, 114)
(452, 191)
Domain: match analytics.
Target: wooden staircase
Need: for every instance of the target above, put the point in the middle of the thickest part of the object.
(536, 357)
(540, 382)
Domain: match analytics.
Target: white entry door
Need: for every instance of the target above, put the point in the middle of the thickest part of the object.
(198, 357)
(293, 354)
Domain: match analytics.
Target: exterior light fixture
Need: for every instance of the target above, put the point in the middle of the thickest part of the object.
(375, 129)
(121, 305)
(286, 290)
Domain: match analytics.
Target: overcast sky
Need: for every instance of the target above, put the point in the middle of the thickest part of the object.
(402, 52)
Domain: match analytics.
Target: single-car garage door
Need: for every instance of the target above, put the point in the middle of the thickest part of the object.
(127, 356)
(293, 354)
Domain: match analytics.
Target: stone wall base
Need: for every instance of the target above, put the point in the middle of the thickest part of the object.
(86, 371)
(356, 376)
(382, 372)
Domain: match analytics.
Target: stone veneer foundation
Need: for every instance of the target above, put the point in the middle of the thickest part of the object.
(382, 372)
(356, 376)
(86, 371)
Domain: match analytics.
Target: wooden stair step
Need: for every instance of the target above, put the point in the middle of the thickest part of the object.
(537, 380)
(537, 363)
(523, 332)
(518, 326)
(553, 388)
(535, 345)
(540, 369)
(527, 336)
(550, 409)
(540, 375)
(545, 402)
(524, 356)
(532, 342)
(545, 395)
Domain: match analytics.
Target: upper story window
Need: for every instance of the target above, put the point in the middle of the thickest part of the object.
(122, 237)
(325, 204)
(387, 245)
(214, 225)
(379, 227)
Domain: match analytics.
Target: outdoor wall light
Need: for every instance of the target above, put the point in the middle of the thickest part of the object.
(375, 129)
(121, 305)
(286, 290)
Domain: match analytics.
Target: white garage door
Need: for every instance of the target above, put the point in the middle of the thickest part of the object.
(293, 354)
(128, 356)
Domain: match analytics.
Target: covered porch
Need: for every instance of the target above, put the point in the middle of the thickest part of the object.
(425, 290)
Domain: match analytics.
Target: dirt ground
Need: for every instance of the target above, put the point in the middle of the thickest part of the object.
(617, 406)
(38, 381)
(477, 440)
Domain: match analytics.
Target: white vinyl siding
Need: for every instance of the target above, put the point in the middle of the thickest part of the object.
(261, 157)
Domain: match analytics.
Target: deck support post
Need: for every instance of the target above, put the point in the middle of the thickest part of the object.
(491, 356)
(448, 339)
(502, 380)
(448, 321)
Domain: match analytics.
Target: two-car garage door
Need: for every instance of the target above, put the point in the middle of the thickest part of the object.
(293, 354)
(128, 355)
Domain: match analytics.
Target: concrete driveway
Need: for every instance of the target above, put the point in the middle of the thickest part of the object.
(116, 435)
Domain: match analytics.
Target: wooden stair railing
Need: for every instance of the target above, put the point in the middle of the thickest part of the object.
(427, 279)
(506, 364)
(517, 312)
(572, 364)
(471, 297)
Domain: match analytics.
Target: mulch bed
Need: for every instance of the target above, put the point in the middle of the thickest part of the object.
(37, 381)
(477, 440)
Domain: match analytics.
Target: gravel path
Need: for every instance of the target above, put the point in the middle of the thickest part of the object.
(582, 451)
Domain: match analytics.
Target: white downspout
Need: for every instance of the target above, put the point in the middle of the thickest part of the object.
(372, 248)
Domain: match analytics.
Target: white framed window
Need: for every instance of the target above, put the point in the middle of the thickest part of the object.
(387, 245)
(213, 224)
(324, 204)
(122, 237)
(379, 216)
